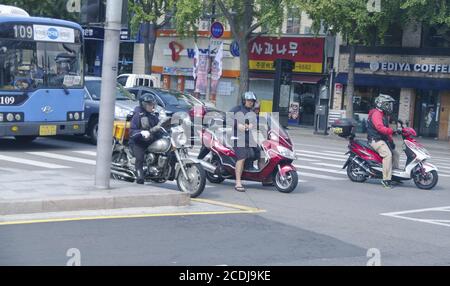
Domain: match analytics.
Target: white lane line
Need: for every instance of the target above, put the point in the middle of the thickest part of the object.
(317, 176)
(307, 160)
(63, 157)
(320, 169)
(401, 215)
(89, 153)
(335, 152)
(32, 162)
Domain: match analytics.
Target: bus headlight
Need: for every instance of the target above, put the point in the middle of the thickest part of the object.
(10, 117)
(76, 116)
(18, 117)
(70, 116)
(1, 117)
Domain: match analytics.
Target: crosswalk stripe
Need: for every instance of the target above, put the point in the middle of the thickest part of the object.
(32, 162)
(320, 169)
(317, 176)
(319, 157)
(321, 153)
(329, 165)
(63, 157)
(334, 152)
(89, 153)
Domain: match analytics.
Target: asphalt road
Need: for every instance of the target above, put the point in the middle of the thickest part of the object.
(328, 220)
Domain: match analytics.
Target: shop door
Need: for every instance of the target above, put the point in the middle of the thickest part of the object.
(426, 120)
(445, 116)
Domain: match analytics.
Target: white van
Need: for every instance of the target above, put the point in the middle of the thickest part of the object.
(137, 80)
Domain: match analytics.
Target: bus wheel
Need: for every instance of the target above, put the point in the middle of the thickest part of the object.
(25, 139)
(93, 130)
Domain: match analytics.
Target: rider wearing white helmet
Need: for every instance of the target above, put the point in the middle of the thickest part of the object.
(380, 136)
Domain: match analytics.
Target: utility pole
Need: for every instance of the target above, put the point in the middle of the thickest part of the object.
(113, 27)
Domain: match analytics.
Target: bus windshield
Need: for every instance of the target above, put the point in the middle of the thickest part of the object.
(30, 65)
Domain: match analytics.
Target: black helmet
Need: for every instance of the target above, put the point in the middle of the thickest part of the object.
(147, 98)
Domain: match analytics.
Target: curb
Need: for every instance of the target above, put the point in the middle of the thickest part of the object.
(115, 199)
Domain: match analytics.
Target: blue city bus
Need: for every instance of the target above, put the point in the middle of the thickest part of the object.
(41, 78)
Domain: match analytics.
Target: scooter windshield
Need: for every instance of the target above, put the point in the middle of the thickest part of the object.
(274, 126)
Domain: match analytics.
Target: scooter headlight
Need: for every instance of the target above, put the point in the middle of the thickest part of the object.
(285, 152)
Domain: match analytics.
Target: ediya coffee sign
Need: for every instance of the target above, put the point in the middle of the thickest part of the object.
(306, 53)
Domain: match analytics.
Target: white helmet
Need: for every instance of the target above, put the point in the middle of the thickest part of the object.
(385, 103)
(249, 95)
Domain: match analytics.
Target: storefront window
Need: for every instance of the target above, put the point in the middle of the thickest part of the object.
(305, 95)
(427, 113)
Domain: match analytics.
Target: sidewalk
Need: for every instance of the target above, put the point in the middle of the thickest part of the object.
(431, 144)
(62, 191)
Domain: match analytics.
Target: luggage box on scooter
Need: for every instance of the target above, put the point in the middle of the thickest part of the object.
(343, 128)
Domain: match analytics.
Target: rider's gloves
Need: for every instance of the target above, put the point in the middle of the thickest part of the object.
(145, 134)
(399, 131)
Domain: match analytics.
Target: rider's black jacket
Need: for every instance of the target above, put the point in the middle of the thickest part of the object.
(141, 121)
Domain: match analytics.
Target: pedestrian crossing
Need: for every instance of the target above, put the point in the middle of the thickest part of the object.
(313, 164)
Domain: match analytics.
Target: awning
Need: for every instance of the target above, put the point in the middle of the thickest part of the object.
(301, 78)
(396, 81)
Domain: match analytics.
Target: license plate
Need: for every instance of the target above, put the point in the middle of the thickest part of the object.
(47, 130)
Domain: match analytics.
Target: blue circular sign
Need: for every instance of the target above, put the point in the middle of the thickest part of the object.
(217, 30)
(53, 34)
(234, 49)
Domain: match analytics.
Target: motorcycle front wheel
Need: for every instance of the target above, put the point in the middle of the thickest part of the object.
(427, 183)
(195, 185)
(287, 184)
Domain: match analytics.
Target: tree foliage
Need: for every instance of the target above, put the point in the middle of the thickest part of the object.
(44, 8)
(432, 12)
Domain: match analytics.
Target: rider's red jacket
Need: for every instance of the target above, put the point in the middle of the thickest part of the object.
(380, 123)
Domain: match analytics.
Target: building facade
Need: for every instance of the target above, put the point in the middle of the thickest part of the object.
(416, 72)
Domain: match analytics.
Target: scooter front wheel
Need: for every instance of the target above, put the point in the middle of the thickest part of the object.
(288, 183)
(427, 183)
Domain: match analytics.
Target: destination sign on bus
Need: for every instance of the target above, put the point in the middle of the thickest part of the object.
(40, 33)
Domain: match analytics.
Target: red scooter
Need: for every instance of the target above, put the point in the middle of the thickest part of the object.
(278, 150)
(365, 163)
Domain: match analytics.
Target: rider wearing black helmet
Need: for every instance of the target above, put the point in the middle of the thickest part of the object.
(144, 131)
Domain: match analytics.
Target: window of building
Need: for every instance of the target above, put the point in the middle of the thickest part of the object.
(437, 36)
(293, 21)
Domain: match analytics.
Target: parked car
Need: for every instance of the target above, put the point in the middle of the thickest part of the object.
(175, 101)
(125, 103)
(133, 80)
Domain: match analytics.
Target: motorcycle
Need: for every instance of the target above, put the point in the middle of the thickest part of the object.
(278, 149)
(166, 159)
(365, 163)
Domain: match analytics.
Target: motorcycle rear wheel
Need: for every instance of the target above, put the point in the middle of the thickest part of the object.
(197, 180)
(353, 176)
(214, 178)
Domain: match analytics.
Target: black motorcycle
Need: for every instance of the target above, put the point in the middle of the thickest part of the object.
(166, 159)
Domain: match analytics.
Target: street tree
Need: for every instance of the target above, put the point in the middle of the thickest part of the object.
(434, 13)
(152, 15)
(44, 8)
(358, 22)
(247, 19)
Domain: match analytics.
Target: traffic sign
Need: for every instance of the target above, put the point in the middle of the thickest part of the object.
(234, 49)
(217, 30)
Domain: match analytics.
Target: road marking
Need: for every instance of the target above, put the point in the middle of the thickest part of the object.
(321, 169)
(321, 153)
(89, 153)
(32, 162)
(64, 158)
(401, 215)
(319, 157)
(317, 176)
(334, 152)
(329, 165)
(238, 209)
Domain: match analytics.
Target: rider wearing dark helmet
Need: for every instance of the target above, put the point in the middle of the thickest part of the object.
(380, 134)
(144, 131)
